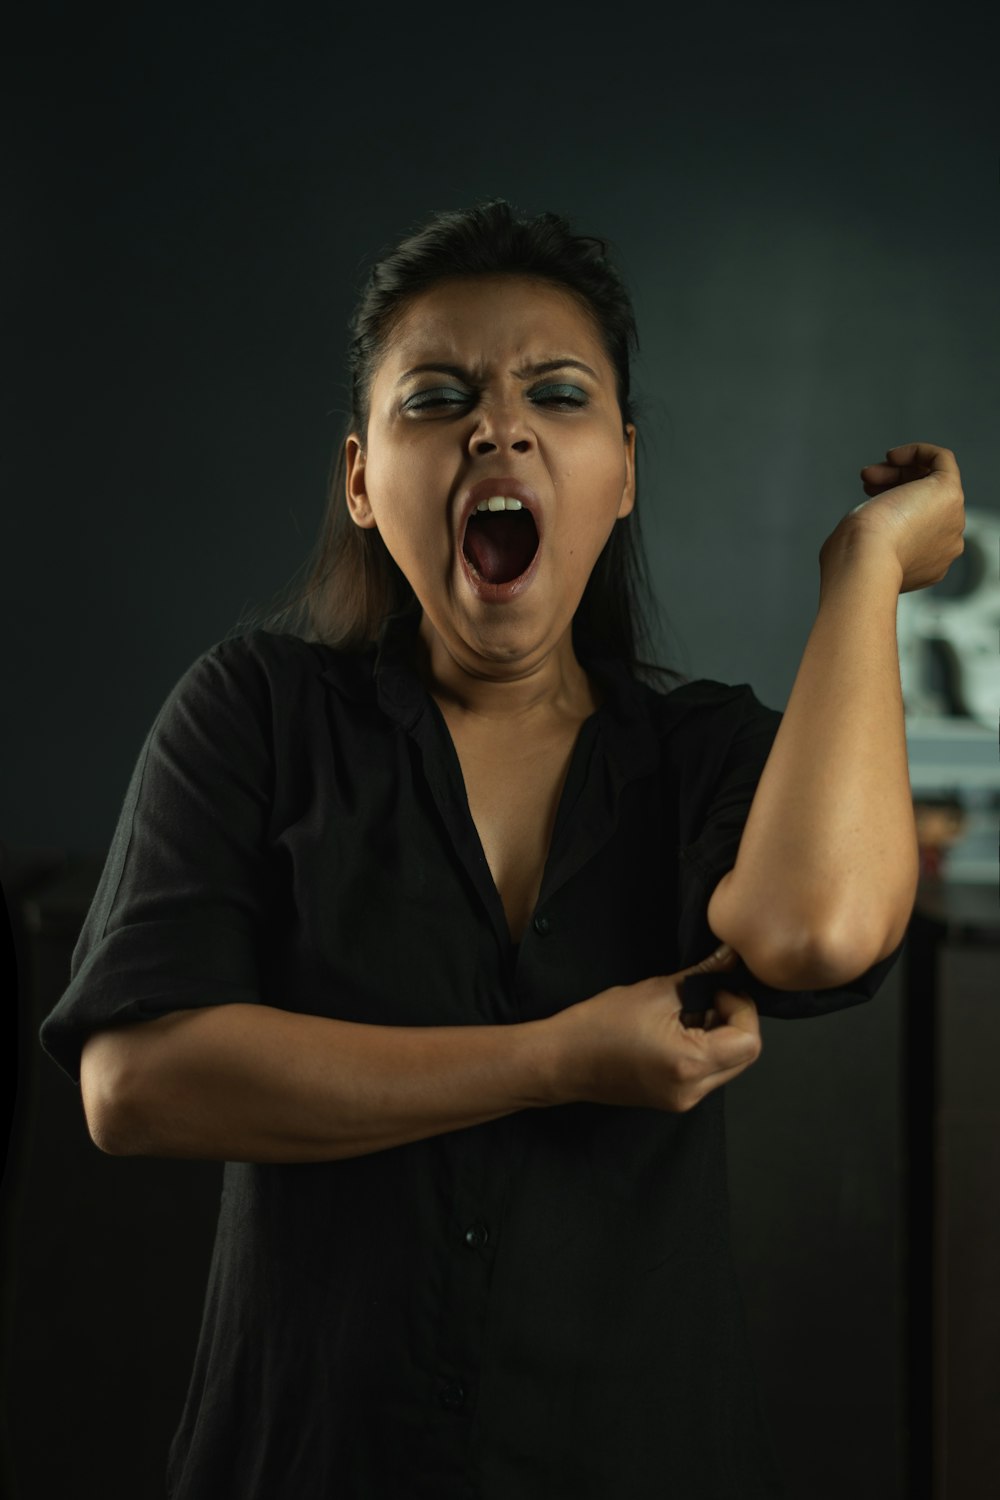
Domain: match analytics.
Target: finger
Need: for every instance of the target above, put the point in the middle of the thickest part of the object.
(728, 1049)
(737, 1009)
(911, 462)
(878, 477)
(699, 1020)
(886, 473)
(723, 958)
(925, 455)
(733, 1040)
(717, 1080)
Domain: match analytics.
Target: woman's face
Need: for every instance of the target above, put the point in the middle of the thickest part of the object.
(481, 411)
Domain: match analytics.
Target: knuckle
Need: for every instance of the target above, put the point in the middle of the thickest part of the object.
(685, 1071)
(685, 1100)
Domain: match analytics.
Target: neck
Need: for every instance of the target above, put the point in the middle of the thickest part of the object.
(556, 687)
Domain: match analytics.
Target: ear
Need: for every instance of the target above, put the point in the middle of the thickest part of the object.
(628, 493)
(354, 483)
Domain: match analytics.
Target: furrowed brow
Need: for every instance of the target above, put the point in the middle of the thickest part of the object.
(440, 367)
(555, 364)
(436, 367)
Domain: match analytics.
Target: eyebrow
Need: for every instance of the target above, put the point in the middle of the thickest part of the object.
(440, 368)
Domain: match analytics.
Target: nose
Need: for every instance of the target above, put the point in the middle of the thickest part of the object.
(502, 425)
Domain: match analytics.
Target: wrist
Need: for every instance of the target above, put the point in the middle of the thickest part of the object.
(852, 549)
(544, 1061)
(557, 1064)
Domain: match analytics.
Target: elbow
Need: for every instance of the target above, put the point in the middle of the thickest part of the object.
(813, 950)
(109, 1088)
(803, 967)
(816, 960)
(108, 1136)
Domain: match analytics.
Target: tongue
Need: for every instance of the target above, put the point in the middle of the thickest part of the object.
(501, 544)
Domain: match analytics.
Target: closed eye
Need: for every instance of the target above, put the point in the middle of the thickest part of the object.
(565, 395)
(440, 396)
(562, 395)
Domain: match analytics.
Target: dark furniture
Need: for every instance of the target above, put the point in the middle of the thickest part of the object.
(951, 1097)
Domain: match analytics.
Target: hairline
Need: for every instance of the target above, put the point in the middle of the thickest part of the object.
(389, 335)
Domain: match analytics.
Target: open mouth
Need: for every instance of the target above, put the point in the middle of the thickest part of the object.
(500, 544)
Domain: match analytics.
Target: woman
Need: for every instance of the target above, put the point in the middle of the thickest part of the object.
(400, 906)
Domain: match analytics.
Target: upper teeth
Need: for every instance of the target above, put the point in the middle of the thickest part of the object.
(499, 502)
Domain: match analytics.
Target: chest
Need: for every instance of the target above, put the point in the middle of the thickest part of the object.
(514, 787)
(409, 861)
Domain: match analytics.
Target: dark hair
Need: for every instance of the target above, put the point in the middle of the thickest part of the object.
(354, 583)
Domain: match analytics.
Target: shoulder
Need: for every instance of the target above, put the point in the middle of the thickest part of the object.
(701, 708)
(252, 699)
(710, 735)
(263, 666)
(266, 654)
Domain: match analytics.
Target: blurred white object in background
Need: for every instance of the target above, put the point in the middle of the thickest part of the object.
(949, 665)
(957, 622)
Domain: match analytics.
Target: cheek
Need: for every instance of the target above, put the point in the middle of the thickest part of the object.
(393, 504)
(405, 539)
(414, 483)
(590, 493)
(406, 501)
(417, 541)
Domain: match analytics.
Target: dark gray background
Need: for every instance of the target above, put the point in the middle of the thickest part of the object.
(803, 200)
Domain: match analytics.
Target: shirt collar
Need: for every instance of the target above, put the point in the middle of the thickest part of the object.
(624, 717)
(401, 694)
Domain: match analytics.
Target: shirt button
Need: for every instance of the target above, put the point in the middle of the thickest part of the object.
(476, 1235)
(542, 924)
(452, 1396)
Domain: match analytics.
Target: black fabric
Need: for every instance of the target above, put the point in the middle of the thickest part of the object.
(538, 1307)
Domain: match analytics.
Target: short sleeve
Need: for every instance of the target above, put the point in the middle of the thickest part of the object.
(177, 917)
(725, 749)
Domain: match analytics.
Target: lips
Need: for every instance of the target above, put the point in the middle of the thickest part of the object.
(499, 553)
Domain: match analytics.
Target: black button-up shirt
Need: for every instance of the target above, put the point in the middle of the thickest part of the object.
(538, 1307)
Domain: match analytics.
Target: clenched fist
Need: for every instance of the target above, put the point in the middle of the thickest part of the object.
(916, 509)
(634, 1044)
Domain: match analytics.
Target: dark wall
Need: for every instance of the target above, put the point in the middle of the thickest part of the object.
(804, 204)
(804, 201)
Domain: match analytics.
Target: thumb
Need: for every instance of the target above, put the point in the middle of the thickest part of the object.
(723, 958)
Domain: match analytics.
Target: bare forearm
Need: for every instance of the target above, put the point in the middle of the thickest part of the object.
(255, 1083)
(827, 866)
